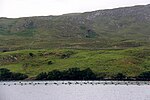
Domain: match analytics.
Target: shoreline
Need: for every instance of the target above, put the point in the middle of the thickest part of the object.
(34, 83)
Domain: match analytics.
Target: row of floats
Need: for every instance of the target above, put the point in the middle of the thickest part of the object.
(34, 83)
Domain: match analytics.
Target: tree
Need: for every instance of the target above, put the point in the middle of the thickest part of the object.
(119, 76)
(54, 75)
(5, 74)
(88, 74)
(72, 74)
(19, 76)
(41, 76)
(144, 75)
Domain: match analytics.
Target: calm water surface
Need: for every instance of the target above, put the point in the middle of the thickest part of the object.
(49, 90)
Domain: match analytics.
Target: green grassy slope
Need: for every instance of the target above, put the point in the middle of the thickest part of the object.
(130, 62)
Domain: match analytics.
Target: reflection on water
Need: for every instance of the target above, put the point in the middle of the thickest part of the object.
(74, 90)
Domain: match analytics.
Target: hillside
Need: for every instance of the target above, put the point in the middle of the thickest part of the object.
(111, 28)
(108, 42)
(130, 62)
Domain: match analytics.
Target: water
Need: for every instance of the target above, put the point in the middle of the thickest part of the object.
(80, 90)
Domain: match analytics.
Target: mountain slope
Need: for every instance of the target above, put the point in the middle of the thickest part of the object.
(112, 28)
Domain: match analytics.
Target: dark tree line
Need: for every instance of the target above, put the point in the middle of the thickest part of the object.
(6, 75)
(70, 74)
(87, 74)
(144, 76)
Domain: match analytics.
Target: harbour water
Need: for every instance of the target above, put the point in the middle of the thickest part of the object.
(75, 90)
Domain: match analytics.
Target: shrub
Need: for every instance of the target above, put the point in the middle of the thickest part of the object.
(50, 62)
(66, 54)
(70, 74)
(144, 75)
(19, 76)
(31, 54)
(54, 75)
(119, 76)
(5, 50)
(5, 74)
(101, 76)
(88, 74)
(41, 76)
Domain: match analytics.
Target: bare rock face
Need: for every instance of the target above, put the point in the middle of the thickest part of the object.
(8, 59)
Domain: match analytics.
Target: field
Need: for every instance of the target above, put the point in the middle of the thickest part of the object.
(131, 61)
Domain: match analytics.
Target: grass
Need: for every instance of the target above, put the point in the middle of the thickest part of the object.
(131, 62)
